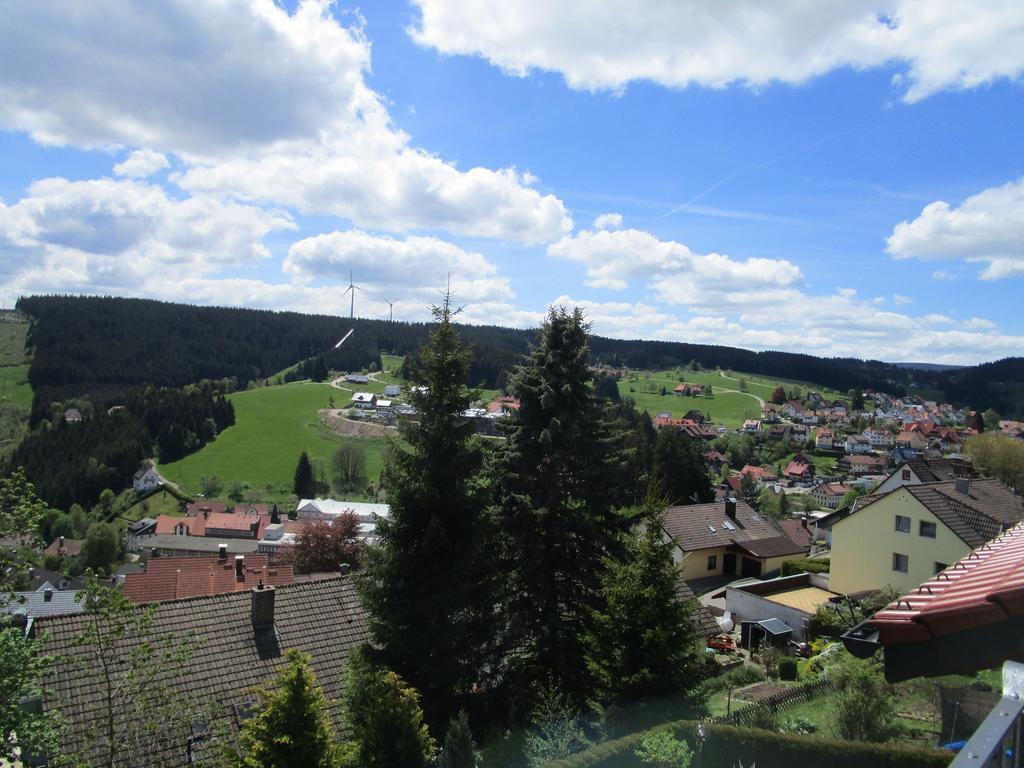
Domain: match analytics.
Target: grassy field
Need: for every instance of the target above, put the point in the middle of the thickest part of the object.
(273, 425)
(14, 362)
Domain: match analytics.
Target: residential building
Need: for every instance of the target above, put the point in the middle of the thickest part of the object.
(176, 545)
(904, 537)
(924, 470)
(793, 600)
(172, 578)
(861, 465)
(146, 479)
(828, 495)
(392, 390)
(238, 642)
(365, 400)
(823, 440)
(726, 538)
(326, 509)
(799, 471)
(137, 531)
(44, 601)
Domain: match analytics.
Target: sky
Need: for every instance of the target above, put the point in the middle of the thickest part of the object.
(841, 179)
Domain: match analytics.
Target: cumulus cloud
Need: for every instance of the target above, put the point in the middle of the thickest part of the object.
(598, 45)
(141, 163)
(258, 103)
(608, 221)
(105, 235)
(986, 227)
(614, 258)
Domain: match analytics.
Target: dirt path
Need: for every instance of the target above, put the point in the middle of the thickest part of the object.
(349, 428)
(760, 400)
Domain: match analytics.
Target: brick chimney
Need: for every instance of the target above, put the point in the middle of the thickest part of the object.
(730, 508)
(222, 551)
(262, 607)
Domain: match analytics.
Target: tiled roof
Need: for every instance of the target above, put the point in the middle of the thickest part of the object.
(169, 578)
(983, 588)
(703, 621)
(34, 605)
(320, 618)
(798, 533)
(775, 546)
(236, 546)
(977, 516)
(165, 524)
(937, 470)
(701, 526)
(196, 508)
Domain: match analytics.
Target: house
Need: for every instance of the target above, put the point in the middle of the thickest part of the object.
(751, 426)
(223, 525)
(861, 465)
(276, 540)
(799, 531)
(238, 642)
(357, 378)
(72, 415)
(857, 444)
(726, 538)
(1013, 429)
(759, 475)
(914, 440)
(880, 439)
(137, 531)
(904, 537)
(923, 470)
(799, 471)
(392, 390)
(793, 600)
(828, 495)
(503, 405)
(823, 440)
(364, 400)
(44, 601)
(146, 479)
(203, 506)
(175, 545)
(173, 578)
(252, 509)
(327, 509)
(681, 390)
(715, 460)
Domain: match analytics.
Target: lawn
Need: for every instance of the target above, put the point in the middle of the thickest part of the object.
(273, 425)
(14, 361)
(14, 386)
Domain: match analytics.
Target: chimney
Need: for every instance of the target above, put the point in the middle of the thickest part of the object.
(222, 551)
(803, 521)
(730, 508)
(963, 485)
(47, 595)
(206, 514)
(239, 566)
(262, 607)
(344, 569)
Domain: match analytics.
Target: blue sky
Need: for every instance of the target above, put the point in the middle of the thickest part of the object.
(845, 180)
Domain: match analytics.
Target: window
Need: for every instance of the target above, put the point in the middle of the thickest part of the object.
(902, 524)
(712, 562)
(905, 474)
(900, 562)
(940, 566)
(927, 529)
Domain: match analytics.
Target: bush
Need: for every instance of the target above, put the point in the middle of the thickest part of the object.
(787, 668)
(724, 746)
(793, 567)
(734, 678)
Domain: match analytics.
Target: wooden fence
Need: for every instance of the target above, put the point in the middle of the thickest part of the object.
(772, 705)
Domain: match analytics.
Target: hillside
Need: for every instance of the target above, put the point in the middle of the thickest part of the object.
(97, 345)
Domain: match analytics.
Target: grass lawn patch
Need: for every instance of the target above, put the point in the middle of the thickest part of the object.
(14, 386)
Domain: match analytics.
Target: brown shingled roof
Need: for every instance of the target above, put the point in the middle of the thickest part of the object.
(170, 578)
(701, 526)
(320, 618)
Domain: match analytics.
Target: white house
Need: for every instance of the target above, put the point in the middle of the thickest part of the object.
(146, 479)
(328, 509)
(364, 400)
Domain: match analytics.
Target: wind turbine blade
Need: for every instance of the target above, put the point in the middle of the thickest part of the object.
(344, 338)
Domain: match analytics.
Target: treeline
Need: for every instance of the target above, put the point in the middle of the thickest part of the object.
(88, 344)
(73, 462)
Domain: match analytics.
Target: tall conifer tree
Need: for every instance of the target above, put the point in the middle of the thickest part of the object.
(556, 473)
(429, 580)
(304, 485)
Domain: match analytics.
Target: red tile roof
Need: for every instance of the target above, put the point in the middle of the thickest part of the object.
(170, 578)
(165, 524)
(196, 508)
(983, 588)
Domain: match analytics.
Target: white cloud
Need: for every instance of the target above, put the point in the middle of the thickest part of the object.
(598, 45)
(107, 235)
(258, 104)
(900, 300)
(986, 227)
(141, 163)
(612, 259)
(608, 221)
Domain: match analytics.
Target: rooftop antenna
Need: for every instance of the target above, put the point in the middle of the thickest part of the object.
(352, 287)
(391, 310)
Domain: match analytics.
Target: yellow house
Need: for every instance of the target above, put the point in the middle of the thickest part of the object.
(727, 538)
(904, 537)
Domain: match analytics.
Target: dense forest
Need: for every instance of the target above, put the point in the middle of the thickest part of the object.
(95, 344)
(73, 462)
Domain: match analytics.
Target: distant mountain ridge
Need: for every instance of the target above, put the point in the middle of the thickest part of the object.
(87, 344)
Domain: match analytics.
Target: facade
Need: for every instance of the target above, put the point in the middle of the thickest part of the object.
(364, 400)
(922, 470)
(792, 600)
(146, 479)
(904, 537)
(829, 495)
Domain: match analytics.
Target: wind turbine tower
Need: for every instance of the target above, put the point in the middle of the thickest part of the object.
(352, 288)
(391, 310)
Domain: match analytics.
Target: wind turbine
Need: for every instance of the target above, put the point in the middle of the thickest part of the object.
(353, 288)
(344, 338)
(391, 310)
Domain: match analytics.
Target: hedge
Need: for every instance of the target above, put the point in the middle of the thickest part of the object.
(793, 567)
(725, 746)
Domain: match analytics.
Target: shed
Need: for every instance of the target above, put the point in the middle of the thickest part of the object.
(776, 632)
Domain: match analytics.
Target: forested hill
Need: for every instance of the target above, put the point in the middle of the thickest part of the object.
(90, 344)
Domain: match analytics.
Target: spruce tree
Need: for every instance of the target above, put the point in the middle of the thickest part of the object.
(459, 749)
(556, 475)
(429, 581)
(680, 469)
(304, 486)
(292, 727)
(643, 642)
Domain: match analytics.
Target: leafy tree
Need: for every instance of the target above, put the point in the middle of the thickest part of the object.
(857, 399)
(643, 642)
(680, 469)
(21, 513)
(384, 717)
(236, 490)
(139, 710)
(748, 489)
(292, 728)
(851, 496)
(1000, 456)
(322, 546)
(430, 582)
(22, 666)
(557, 731)
(304, 486)
(864, 707)
(556, 475)
(102, 546)
(663, 750)
(778, 395)
(991, 419)
(459, 749)
(348, 467)
(743, 385)
(210, 485)
(768, 503)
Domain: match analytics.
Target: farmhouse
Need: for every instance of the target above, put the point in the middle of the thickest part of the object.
(146, 479)
(364, 400)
